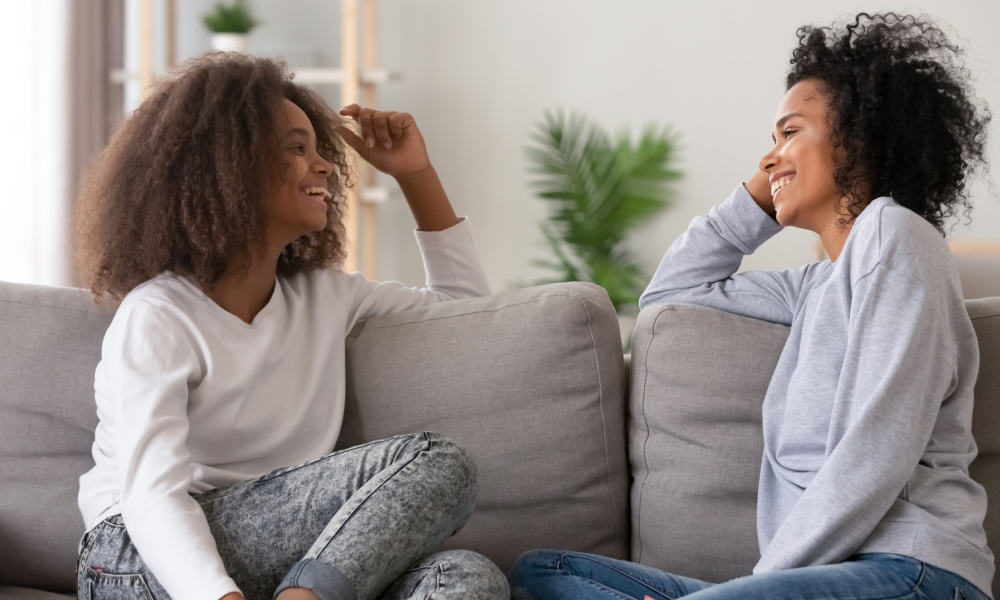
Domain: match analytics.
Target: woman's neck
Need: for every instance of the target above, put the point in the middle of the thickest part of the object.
(834, 237)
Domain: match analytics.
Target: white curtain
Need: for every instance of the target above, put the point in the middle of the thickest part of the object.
(56, 109)
(34, 214)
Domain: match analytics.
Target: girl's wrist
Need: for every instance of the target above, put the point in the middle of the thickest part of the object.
(415, 176)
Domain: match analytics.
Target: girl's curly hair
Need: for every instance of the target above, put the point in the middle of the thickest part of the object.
(901, 108)
(182, 186)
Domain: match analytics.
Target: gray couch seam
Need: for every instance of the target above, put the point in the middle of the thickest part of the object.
(985, 317)
(645, 461)
(368, 323)
(707, 309)
(604, 425)
(86, 311)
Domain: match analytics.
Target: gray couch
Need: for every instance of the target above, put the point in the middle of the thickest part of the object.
(533, 382)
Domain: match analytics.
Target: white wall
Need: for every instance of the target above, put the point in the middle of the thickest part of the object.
(479, 74)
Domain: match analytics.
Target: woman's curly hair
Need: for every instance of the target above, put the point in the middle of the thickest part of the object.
(183, 185)
(901, 108)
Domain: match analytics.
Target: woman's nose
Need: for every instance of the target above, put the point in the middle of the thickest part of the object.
(768, 162)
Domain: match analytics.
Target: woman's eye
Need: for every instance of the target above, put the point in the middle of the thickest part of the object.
(299, 149)
(788, 132)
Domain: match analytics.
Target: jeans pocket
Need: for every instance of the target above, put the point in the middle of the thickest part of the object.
(115, 586)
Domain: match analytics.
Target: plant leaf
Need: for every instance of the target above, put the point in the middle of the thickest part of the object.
(598, 187)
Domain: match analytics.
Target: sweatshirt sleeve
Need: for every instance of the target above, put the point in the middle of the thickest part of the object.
(453, 271)
(901, 362)
(148, 363)
(699, 268)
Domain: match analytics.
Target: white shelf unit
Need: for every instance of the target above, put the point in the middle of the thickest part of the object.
(358, 78)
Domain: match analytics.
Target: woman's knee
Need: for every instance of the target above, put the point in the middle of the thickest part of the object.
(533, 564)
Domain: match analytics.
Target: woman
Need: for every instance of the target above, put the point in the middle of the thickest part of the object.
(214, 214)
(864, 486)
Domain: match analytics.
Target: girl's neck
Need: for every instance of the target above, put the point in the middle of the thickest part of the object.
(245, 293)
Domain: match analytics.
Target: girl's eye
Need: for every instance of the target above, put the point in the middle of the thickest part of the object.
(788, 133)
(299, 149)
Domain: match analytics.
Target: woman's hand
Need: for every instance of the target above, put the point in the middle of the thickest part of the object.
(759, 187)
(389, 140)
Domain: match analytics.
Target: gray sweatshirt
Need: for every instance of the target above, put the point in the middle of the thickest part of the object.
(868, 417)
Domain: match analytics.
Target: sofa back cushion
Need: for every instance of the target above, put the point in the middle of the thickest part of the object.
(698, 380)
(531, 383)
(985, 469)
(51, 342)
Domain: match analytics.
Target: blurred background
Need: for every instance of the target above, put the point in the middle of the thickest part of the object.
(478, 76)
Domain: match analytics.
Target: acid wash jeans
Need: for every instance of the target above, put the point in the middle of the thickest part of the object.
(559, 575)
(355, 524)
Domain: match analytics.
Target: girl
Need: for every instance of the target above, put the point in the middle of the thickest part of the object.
(864, 486)
(213, 214)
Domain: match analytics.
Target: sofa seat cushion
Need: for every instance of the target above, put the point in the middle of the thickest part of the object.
(8, 592)
(531, 383)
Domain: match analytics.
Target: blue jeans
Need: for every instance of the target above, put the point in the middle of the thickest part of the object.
(558, 575)
(323, 525)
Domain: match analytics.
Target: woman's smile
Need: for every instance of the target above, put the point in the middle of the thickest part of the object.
(780, 180)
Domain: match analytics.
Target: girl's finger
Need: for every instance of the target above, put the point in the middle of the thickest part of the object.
(353, 140)
(367, 127)
(381, 121)
(351, 110)
(399, 122)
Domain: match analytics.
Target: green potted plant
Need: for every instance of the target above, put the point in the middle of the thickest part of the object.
(599, 187)
(230, 23)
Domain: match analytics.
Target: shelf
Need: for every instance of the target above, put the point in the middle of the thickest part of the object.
(374, 195)
(306, 75)
(320, 75)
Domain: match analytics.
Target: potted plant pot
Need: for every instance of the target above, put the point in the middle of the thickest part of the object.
(229, 42)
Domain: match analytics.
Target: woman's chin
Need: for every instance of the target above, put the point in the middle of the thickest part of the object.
(780, 216)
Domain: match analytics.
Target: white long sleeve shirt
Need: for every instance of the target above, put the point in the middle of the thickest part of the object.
(868, 416)
(190, 397)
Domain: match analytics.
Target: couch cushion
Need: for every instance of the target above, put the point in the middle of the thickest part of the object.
(23, 593)
(531, 383)
(698, 380)
(51, 344)
(985, 469)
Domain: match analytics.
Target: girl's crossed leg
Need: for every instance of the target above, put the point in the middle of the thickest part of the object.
(353, 524)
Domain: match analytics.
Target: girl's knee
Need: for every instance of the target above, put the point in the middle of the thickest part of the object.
(483, 574)
(454, 462)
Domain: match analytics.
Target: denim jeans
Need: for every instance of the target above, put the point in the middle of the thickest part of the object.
(324, 525)
(558, 575)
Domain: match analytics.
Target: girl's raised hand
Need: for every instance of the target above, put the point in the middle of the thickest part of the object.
(389, 140)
